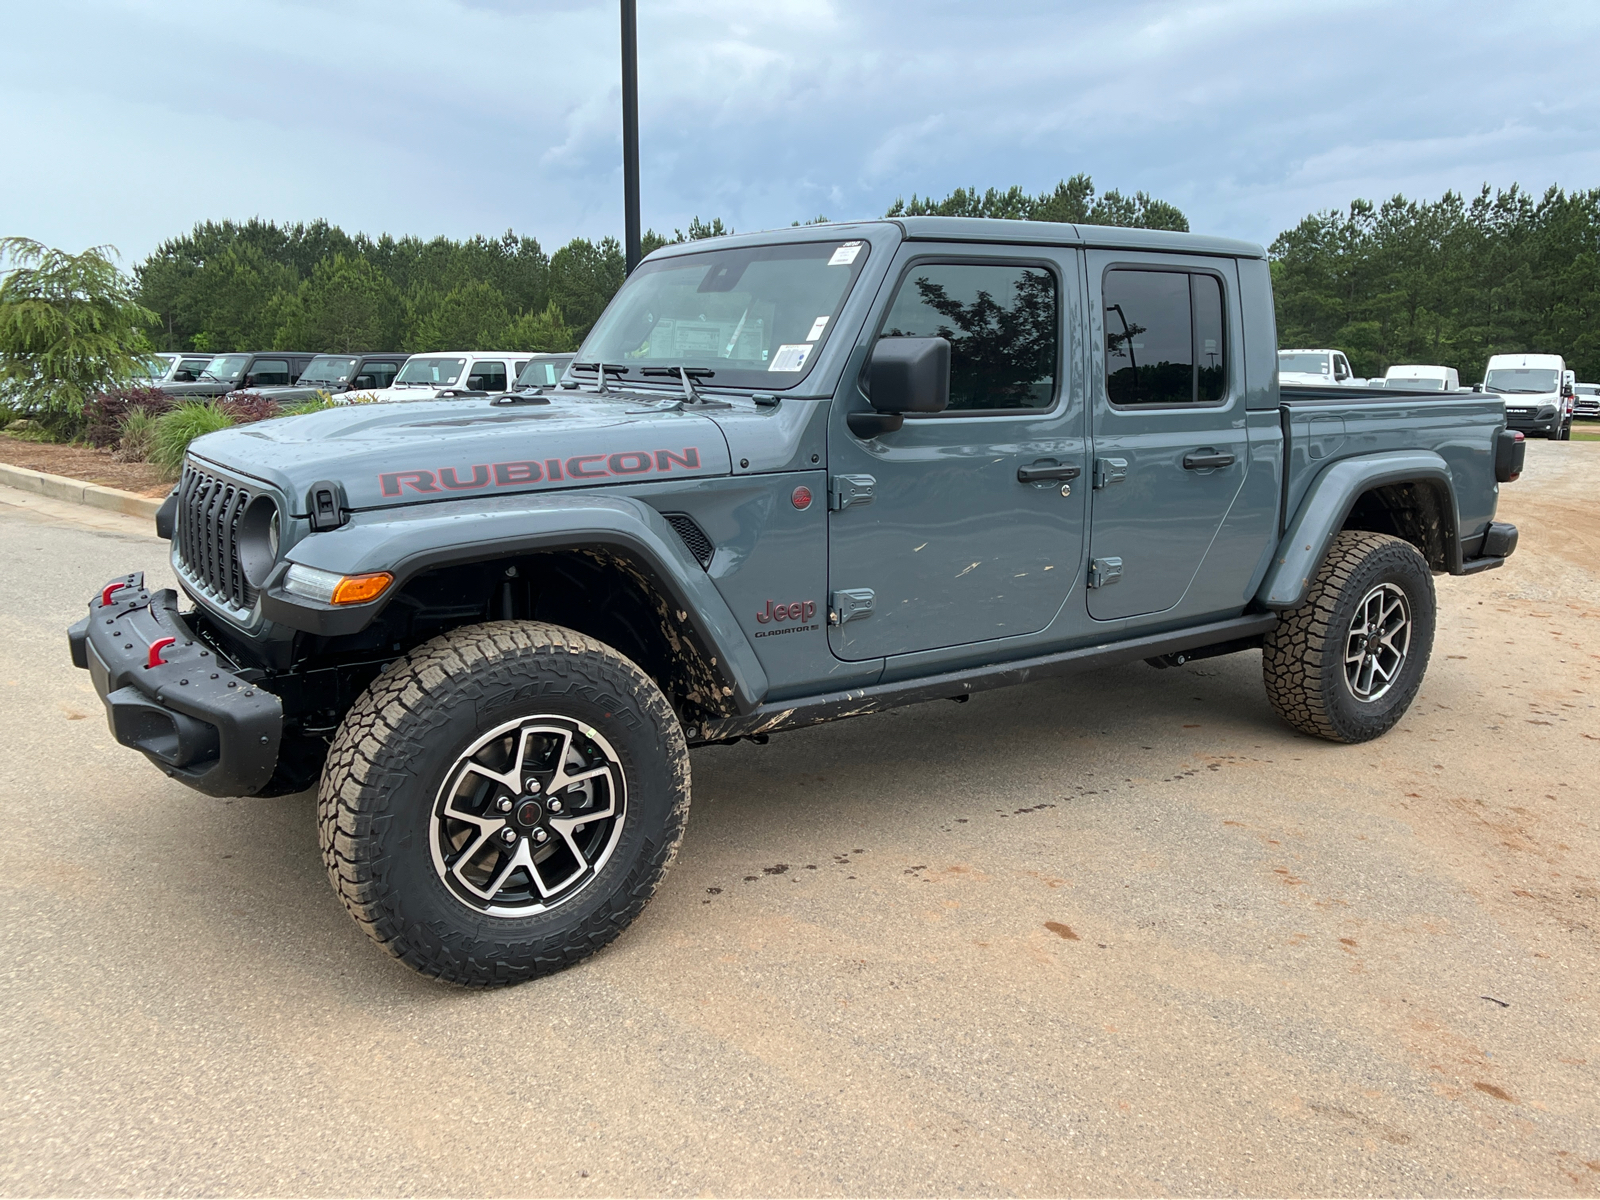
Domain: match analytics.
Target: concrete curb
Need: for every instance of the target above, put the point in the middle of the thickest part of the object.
(75, 491)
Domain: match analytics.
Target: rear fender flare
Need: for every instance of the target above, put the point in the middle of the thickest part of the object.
(425, 537)
(1327, 506)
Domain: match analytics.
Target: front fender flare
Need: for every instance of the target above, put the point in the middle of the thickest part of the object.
(1328, 503)
(408, 541)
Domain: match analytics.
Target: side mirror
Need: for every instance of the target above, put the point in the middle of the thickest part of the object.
(904, 375)
(1477, 387)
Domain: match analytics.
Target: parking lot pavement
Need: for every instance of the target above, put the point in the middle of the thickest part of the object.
(1119, 933)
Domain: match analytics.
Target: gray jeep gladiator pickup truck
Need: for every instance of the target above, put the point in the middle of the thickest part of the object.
(789, 477)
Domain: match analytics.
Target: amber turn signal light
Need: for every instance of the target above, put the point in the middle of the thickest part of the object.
(358, 589)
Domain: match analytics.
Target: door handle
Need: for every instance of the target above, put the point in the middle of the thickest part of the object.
(1205, 460)
(1045, 469)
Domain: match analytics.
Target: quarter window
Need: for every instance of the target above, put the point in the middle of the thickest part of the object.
(1002, 325)
(1164, 338)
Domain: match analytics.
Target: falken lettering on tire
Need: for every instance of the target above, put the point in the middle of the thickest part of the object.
(515, 474)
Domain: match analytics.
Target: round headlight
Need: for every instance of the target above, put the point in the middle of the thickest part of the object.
(258, 540)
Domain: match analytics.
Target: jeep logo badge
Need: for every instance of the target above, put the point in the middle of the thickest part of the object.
(798, 610)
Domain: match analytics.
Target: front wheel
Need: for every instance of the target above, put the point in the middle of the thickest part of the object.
(503, 801)
(1346, 664)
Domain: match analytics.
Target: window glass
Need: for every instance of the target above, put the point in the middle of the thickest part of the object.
(1149, 338)
(226, 367)
(1001, 324)
(380, 371)
(327, 370)
(431, 372)
(269, 372)
(1303, 364)
(1211, 372)
(1526, 381)
(189, 369)
(541, 372)
(1166, 340)
(753, 316)
(487, 377)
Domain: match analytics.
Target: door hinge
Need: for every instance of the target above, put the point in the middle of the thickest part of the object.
(845, 490)
(850, 604)
(1104, 571)
(1108, 471)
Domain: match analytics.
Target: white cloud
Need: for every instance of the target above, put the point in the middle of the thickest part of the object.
(433, 116)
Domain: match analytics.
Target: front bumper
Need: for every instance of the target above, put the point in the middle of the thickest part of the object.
(172, 697)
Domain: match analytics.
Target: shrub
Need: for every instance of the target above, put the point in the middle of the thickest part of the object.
(174, 431)
(316, 403)
(104, 414)
(246, 408)
(137, 429)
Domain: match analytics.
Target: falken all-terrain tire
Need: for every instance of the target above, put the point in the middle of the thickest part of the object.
(503, 801)
(1347, 663)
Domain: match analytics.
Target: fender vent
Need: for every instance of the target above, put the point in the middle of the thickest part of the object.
(693, 537)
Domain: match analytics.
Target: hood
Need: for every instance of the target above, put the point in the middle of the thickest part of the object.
(197, 388)
(389, 454)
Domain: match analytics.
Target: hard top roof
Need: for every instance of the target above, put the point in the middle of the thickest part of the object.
(984, 230)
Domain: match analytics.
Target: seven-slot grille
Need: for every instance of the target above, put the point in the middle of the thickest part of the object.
(209, 511)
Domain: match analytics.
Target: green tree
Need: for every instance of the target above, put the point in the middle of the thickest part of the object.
(1072, 200)
(70, 326)
(583, 278)
(471, 317)
(545, 332)
(347, 306)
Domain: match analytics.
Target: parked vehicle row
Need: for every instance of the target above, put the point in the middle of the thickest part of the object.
(1542, 396)
(287, 376)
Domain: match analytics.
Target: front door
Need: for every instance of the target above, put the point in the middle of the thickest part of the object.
(1170, 444)
(959, 527)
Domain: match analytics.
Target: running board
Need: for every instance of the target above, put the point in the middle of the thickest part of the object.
(956, 685)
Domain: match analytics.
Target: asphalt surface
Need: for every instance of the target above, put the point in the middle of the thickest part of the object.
(1120, 933)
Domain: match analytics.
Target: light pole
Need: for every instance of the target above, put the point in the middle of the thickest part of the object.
(630, 133)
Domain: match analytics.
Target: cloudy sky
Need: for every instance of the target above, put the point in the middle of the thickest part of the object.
(129, 120)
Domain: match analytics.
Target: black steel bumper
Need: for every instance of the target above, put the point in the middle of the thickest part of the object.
(168, 696)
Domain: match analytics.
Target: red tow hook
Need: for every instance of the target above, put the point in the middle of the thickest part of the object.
(156, 647)
(111, 590)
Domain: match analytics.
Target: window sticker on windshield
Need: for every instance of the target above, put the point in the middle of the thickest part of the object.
(817, 327)
(791, 357)
(845, 254)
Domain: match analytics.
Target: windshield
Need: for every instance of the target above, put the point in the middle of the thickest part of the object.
(225, 367)
(1305, 364)
(752, 317)
(431, 372)
(332, 368)
(542, 372)
(1521, 381)
(1417, 383)
(155, 367)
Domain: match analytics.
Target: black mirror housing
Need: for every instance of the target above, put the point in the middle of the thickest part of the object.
(910, 375)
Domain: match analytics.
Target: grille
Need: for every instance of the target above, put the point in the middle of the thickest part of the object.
(693, 537)
(209, 511)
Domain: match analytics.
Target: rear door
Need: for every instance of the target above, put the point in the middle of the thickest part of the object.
(1170, 444)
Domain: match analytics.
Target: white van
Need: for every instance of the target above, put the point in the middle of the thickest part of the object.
(451, 373)
(1537, 390)
(1418, 378)
(1324, 368)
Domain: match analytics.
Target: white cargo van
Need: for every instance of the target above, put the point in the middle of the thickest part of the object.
(1537, 390)
(1418, 378)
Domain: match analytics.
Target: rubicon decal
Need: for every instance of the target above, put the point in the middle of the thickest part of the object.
(533, 470)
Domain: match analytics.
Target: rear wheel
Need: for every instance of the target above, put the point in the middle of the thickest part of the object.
(1346, 664)
(503, 801)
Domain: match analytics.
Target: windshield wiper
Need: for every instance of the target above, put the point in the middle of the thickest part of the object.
(602, 372)
(687, 375)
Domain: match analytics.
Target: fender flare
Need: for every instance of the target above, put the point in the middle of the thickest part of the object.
(418, 538)
(1327, 505)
